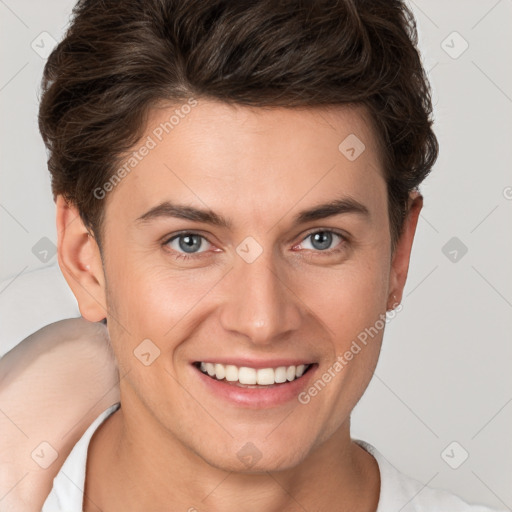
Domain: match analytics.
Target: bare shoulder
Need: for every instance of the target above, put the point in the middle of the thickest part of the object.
(53, 384)
(74, 334)
(69, 352)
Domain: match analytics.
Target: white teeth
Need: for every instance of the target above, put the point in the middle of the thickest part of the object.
(246, 375)
(252, 376)
(280, 374)
(231, 373)
(210, 368)
(265, 376)
(220, 371)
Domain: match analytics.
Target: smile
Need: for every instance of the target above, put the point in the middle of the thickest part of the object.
(256, 377)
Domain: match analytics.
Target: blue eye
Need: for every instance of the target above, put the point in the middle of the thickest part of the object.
(322, 240)
(187, 245)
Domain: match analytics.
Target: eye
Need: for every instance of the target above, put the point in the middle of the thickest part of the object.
(187, 243)
(322, 240)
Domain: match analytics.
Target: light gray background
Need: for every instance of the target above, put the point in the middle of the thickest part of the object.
(444, 373)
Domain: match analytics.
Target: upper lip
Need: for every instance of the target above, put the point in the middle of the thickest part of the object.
(256, 363)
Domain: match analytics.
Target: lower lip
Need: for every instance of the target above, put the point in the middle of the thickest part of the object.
(257, 397)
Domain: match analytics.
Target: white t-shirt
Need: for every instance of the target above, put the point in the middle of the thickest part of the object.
(398, 492)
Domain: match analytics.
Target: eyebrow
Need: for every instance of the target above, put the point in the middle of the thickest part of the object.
(321, 211)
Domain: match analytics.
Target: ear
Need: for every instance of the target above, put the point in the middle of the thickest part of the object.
(402, 252)
(80, 262)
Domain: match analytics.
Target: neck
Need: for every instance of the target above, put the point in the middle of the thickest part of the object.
(139, 465)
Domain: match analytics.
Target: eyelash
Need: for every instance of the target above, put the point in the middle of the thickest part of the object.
(182, 256)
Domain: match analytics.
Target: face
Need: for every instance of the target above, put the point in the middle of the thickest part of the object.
(219, 249)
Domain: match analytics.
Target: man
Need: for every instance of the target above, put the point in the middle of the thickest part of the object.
(236, 189)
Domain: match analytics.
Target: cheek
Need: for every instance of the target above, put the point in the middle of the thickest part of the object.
(347, 299)
(155, 301)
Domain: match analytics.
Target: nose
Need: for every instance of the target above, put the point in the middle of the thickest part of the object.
(260, 303)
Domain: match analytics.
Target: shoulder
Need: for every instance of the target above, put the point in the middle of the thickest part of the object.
(402, 492)
(53, 384)
(67, 492)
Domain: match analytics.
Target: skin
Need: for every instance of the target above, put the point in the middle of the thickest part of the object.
(40, 380)
(173, 444)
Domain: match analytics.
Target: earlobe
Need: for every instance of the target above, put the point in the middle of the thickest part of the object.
(80, 261)
(402, 253)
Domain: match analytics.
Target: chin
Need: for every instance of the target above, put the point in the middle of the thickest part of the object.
(254, 457)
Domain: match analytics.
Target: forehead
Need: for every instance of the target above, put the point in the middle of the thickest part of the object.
(249, 158)
(218, 126)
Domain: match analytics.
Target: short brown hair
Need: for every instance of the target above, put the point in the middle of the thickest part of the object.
(119, 58)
